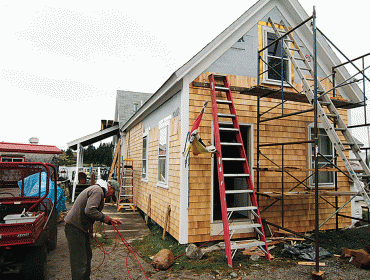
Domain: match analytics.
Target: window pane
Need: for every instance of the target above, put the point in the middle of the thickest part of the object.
(6, 160)
(17, 159)
(274, 66)
(144, 146)
(162, 154)
(326, 149)
(275, 49)
(162, 169)
(163, 141)
(143, 170)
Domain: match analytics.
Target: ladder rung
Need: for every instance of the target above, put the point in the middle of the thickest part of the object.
(125, 195)
(300, 58)
(230, 144)
(127, 186)
(325, 103)
(244, 245)
(310, 79)
(129, 177)
(225, 123)
(219, 101)
(225, 89)
(306, 69)
(226, 115)
(354, 159)
(237, 191)
(236, 175)
(233, 159)
(228, 129)
(332, 115)
(340, 129)
(243, 226)
(347, 143)
(218, 76)
(245, 208)
(293, 49)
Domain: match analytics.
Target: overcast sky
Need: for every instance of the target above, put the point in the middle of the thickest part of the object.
(61, 62)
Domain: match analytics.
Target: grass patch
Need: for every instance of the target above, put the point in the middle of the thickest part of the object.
(352, 238)
(100, 236)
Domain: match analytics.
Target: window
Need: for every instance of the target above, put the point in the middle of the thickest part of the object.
(12, 159)
(144, 168)
(326, 155)
(163, 151)
(272, 57)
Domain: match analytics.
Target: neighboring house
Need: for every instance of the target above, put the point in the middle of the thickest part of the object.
(127, 103)
(155, 135)
(33, 152)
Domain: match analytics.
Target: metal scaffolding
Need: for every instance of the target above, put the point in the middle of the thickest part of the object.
(261, 119)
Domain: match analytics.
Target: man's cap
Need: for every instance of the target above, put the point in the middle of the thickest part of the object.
(102, 184)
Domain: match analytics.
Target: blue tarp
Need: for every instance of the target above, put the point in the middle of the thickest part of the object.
(31, 188)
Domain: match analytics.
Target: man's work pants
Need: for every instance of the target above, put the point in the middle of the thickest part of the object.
(80, 253)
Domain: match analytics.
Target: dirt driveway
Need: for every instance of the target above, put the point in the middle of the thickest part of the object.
(114, 267)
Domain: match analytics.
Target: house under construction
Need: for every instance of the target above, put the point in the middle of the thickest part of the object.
(279, 101)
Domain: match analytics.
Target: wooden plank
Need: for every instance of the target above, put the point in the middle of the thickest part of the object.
(311, 263)
(166, 221)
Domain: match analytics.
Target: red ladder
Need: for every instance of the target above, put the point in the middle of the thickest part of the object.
(236, 167)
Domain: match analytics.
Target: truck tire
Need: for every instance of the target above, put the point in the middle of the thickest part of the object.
(53, 231)
(34, 263)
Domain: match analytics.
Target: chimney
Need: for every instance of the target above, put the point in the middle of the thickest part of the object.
(34, 140)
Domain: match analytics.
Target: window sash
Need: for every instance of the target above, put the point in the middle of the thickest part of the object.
(273, 58)
(325, 147)
(144, 168)
(163, 154)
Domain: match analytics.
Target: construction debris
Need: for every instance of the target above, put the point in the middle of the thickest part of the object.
(193, 252)
(359, 258)
(311, 263)
(304, 251)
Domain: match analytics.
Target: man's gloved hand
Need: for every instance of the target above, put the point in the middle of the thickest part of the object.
(115, 221)
(108, 220)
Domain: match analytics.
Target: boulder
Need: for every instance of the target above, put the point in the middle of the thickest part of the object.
(163, 259)
(193, 252)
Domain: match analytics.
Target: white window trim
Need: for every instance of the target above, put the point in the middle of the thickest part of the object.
(310, 156)
(162, 124)
(12, 158)
(146, 134)
(265, 80)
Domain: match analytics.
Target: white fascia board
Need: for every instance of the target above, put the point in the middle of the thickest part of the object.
(184, 178)
(165, 92)
(92, 136)
(325, 55)
(224, 41)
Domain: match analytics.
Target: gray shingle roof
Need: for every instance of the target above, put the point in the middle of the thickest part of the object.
(127, 102)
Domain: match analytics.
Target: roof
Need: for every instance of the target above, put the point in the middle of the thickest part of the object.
(94, 137)
(29, 148)
(294, 15)
(125, 101)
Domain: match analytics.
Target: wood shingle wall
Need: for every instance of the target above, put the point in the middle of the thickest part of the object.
(298, 213)
(160, 197)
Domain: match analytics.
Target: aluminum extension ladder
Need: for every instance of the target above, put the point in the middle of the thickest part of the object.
(326, 119)
(126, 190)
(235, 167)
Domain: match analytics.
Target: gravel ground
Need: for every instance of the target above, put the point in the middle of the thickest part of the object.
(114, 267)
